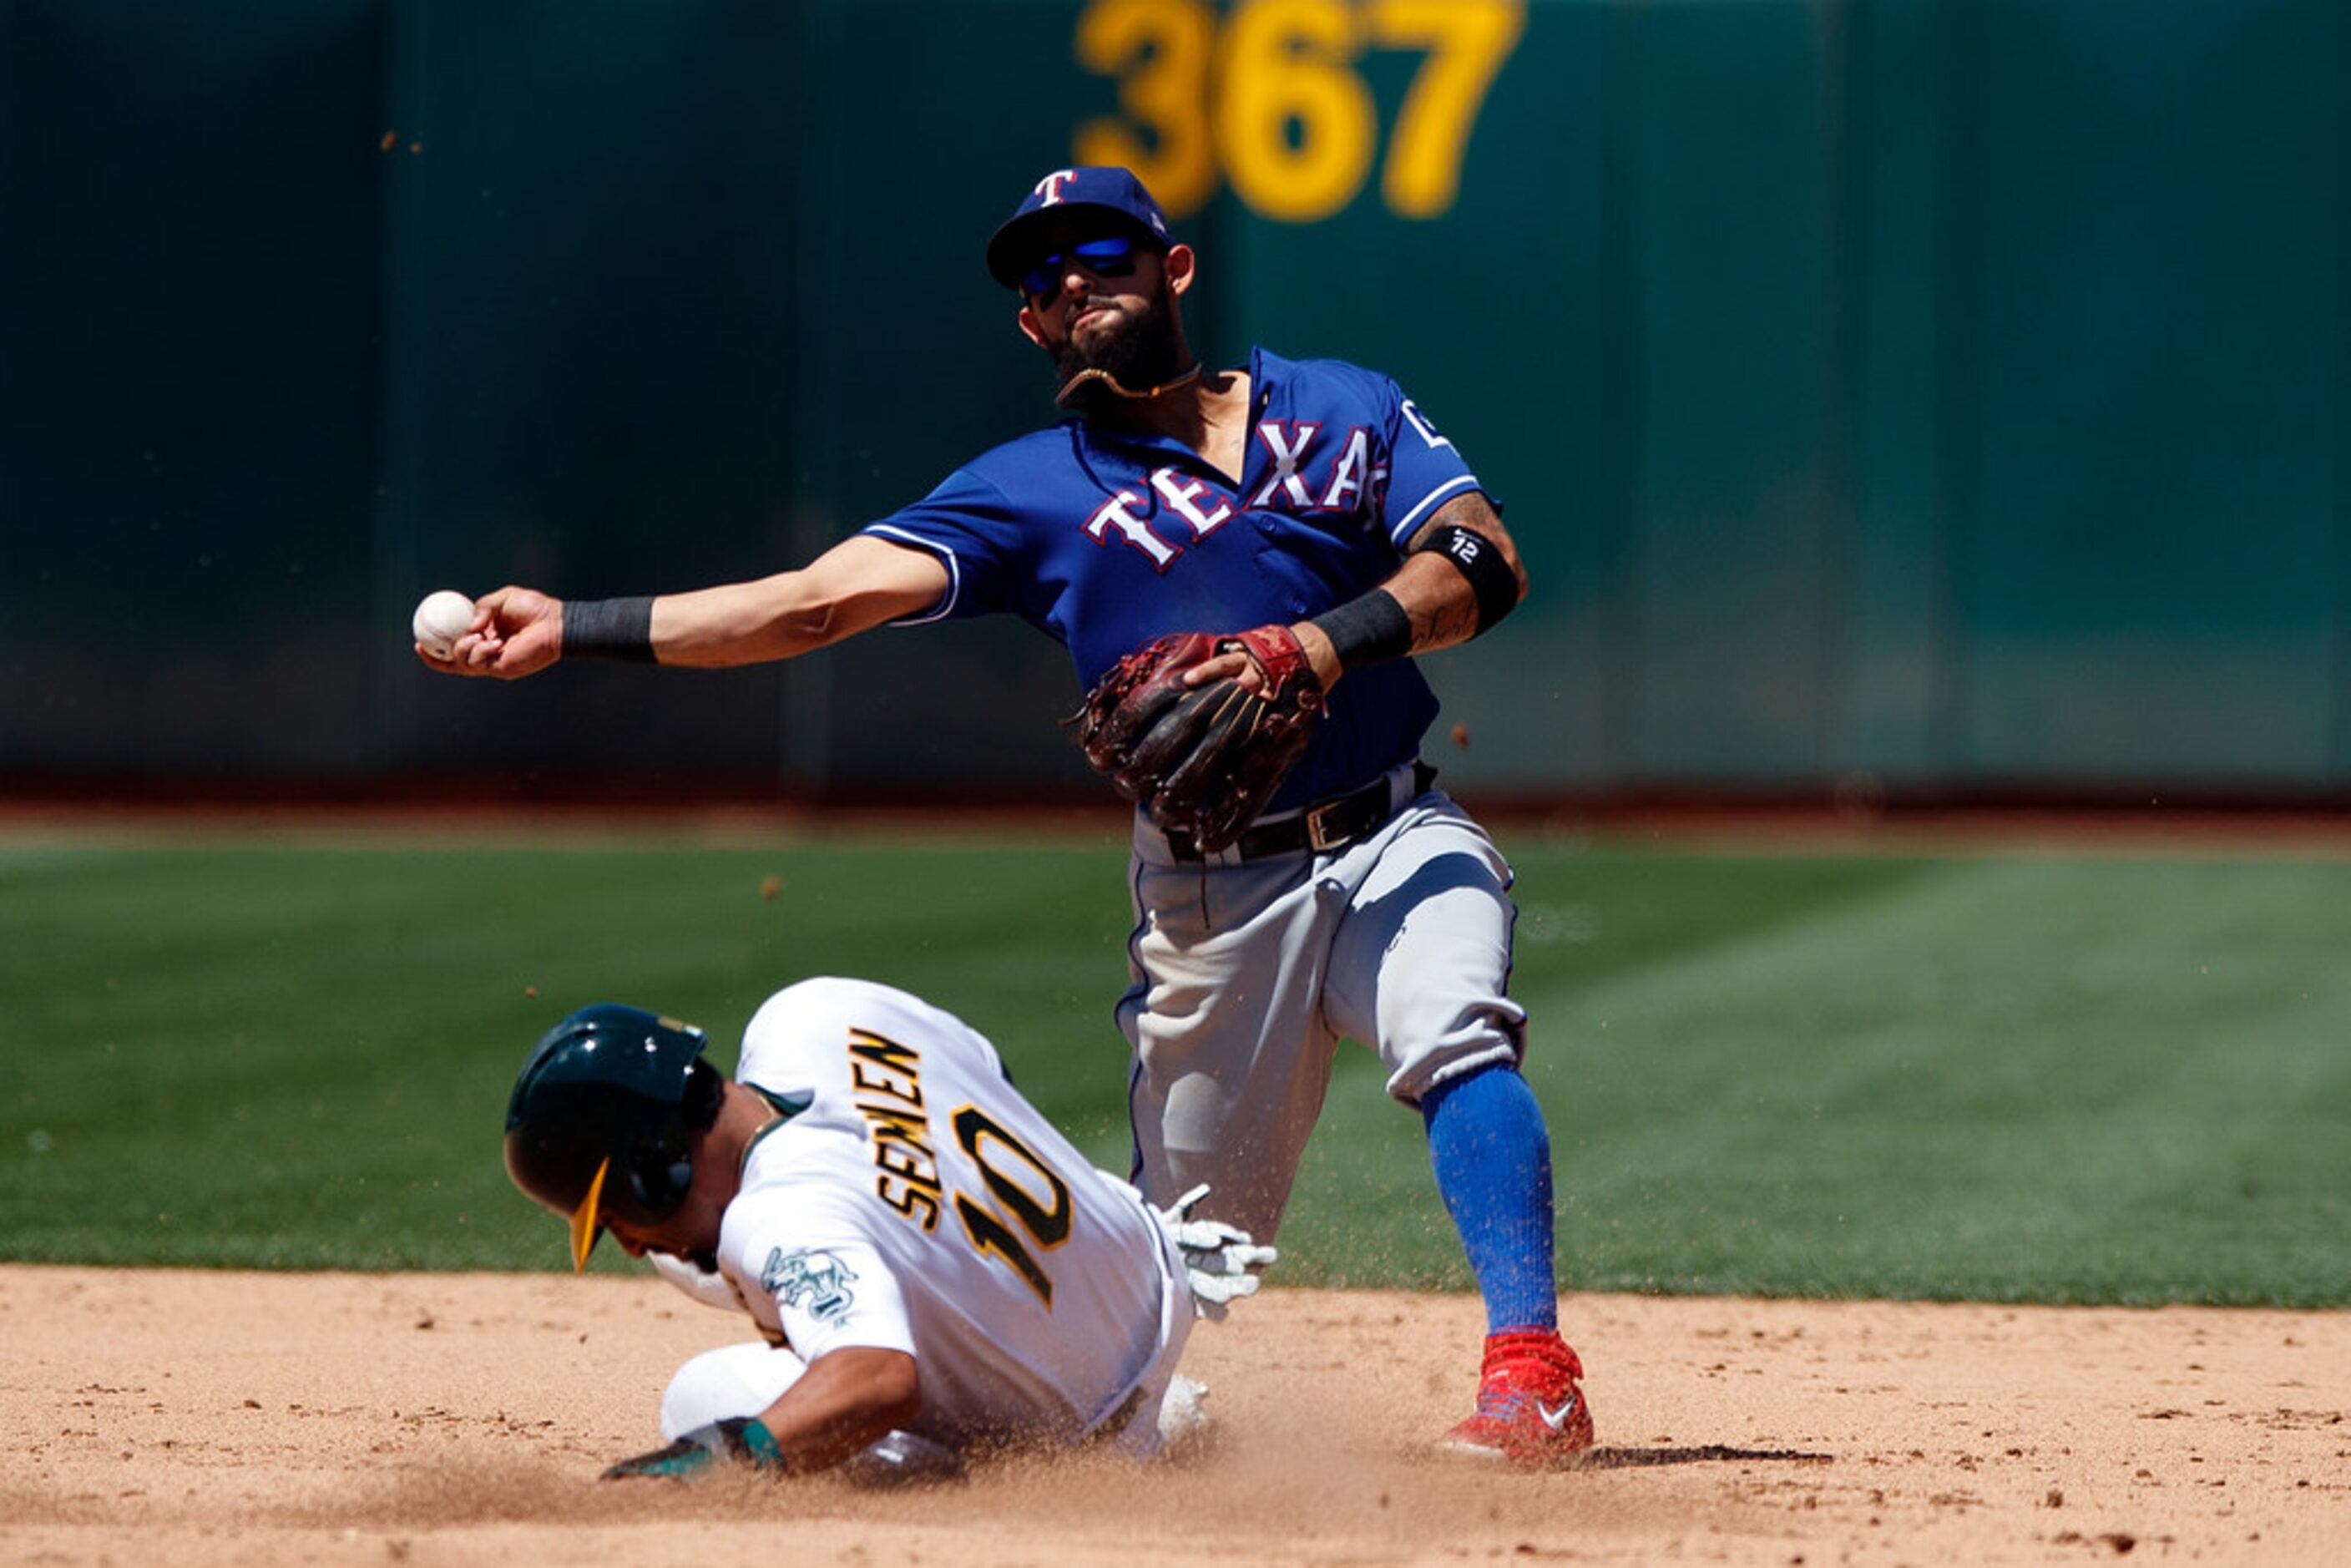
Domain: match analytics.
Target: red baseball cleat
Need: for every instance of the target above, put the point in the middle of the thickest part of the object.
(1530, 1410)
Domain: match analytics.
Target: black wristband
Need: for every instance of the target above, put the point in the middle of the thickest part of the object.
(1480, 559)
(1367, 630)
(609, 628)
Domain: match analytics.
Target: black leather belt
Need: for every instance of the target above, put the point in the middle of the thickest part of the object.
(1325, 825)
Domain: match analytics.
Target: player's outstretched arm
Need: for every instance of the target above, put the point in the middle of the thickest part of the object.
(857, 585)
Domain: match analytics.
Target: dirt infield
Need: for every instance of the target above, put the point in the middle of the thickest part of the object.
(204, 1417)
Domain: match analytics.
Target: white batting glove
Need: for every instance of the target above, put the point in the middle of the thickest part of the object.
(1219, 1258)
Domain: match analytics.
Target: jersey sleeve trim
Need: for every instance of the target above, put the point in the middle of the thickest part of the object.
(1401, 533)
(946, 606)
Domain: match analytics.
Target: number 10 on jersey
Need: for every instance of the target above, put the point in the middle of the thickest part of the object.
(1029, 1202)
(1273, 100)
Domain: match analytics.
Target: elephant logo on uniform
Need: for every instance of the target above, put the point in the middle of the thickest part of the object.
(817, 1282)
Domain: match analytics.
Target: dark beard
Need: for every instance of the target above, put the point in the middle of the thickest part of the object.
(1146, 353)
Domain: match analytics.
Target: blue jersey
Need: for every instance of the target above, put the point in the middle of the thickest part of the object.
(1106, 540)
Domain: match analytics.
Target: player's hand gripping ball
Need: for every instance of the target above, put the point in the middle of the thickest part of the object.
(1202, 759)
(440, 619)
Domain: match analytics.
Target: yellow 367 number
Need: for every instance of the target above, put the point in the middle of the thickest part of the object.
(1272, 99)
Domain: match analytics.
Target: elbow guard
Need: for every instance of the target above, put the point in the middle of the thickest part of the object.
(1480, 559)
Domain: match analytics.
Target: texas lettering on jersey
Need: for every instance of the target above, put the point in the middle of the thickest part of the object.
(1188, 507)
(1286, 485)
(1106, 540)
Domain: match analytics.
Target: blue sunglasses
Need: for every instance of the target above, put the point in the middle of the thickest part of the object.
(1111, 257)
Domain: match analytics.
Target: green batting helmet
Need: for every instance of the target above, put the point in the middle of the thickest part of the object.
(604, 1117)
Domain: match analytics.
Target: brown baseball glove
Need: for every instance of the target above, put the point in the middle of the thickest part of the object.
(1201, 761)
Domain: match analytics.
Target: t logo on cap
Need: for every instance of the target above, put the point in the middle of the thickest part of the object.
(1104, 198)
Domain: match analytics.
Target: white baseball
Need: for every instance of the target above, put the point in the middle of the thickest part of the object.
(440, 619)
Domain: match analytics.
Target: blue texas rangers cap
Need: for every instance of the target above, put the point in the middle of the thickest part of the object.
(1089, 191)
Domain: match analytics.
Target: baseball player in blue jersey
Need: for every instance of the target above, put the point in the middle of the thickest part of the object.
(1308, 504)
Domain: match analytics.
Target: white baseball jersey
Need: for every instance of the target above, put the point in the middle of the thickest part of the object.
(910, 1199)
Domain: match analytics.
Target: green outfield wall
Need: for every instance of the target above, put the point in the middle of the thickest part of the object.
(1955, 393)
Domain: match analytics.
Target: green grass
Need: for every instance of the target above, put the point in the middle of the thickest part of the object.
(1982, 1076)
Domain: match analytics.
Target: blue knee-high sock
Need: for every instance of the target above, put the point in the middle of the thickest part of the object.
(1492, 1158)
